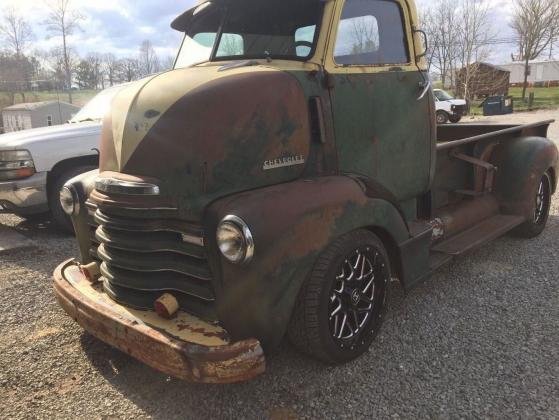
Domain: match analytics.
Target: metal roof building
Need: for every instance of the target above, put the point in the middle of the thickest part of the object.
(542, 73)
(38, 114)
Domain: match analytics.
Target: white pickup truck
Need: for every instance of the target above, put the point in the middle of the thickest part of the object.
(35, 164)
(448, 107)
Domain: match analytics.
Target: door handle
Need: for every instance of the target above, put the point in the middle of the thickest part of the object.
(426, 87)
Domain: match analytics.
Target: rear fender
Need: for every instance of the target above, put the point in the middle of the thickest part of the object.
(291, 224)
(521, 163)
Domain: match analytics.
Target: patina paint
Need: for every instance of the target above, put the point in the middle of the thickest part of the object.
(368, 136)
(522, 162)
(205, 133)
(291, 223)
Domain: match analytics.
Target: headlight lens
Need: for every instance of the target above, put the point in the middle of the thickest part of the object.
(16, 164)
(235, 240)
(69, 200)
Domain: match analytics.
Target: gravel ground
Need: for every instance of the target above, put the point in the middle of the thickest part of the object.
(480, 339)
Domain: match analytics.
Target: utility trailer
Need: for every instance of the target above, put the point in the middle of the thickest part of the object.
(274, 183)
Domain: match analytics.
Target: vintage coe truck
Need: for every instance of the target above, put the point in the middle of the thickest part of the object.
(274, 183)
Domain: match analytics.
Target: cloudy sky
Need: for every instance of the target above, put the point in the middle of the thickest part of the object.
(119, 26)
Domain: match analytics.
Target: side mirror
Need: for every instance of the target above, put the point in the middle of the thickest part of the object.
(425, 42)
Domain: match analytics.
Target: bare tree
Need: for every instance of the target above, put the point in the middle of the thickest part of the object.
(473, 41)
(62, 22)
(129, 70)
(364, 35)
(95, 61)
(112, 67)
(442, 23)
(148, 60)
(15, 32)
(536, 23)
(168, 63)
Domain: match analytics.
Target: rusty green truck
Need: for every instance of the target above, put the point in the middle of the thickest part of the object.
(277, 180)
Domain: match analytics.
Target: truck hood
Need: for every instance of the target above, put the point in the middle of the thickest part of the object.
(206, 132)
(29, 139)
(457, 102)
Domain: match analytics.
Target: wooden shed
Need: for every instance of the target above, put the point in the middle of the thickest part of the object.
(480, 80)
(38, 114)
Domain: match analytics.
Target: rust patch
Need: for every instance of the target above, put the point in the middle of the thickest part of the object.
(227, 363)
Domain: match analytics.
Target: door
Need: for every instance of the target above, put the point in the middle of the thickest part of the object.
(382, 130)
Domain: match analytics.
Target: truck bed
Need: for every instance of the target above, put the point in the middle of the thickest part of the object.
(465, 169)
(454, 135)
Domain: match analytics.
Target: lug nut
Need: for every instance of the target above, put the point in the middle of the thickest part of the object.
(166, 306)
(91, 271)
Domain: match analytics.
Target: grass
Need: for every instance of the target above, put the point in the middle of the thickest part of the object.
(80, 97)
(544, 98)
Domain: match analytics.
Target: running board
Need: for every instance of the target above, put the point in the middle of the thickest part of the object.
(484, 232)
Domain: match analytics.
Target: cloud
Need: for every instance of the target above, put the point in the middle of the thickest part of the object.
(116, 26)
(119, 26)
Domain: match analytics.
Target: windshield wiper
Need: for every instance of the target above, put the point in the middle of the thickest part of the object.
(239, 64)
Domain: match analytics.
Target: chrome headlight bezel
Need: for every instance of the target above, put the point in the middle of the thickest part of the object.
(240, 252)
(70, 200)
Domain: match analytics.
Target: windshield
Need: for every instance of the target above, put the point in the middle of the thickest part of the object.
(250, 29)
(441, 95)
(96, 109)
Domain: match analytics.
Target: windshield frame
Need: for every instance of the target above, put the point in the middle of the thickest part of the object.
(219, 34)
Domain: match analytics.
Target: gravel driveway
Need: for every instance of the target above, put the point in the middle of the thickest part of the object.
(480, 339)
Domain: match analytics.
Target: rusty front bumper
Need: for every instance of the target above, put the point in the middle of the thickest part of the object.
(185, 347)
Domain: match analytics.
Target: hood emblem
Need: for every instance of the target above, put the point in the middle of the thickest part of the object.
(284, 162)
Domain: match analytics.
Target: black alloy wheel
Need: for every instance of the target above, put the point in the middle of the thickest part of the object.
(355, 295)
(536, 224)
(340, 308)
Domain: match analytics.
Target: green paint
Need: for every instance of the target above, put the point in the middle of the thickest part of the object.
(383, 131)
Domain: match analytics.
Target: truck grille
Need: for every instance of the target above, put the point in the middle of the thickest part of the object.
(142, 258)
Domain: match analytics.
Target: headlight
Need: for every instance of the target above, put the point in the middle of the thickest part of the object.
(235, 240)
(16, 164)
(69, 200)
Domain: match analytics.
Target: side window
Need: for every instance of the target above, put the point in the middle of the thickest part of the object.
(371, 32)
(304, 38)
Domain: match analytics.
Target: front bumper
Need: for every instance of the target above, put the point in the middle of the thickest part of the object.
(26, 196)
(185, 347)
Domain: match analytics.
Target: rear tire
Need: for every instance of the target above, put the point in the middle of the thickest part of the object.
(540, 214)
(59, 217)
(442, 117)
(341, 306)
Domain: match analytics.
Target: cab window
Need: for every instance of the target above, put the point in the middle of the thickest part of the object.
(371, 32)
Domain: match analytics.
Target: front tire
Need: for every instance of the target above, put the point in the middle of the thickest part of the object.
(455, 119)
(540, 213)
(341, 306)
(442, 117)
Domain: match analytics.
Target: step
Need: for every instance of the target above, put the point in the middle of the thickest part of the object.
(438, 259)
(484, 232)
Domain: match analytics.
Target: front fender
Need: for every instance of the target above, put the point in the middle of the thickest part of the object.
(521, 163)
(292, 224)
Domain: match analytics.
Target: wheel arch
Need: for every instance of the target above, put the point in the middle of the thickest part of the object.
(67, 164)
(521, 162)
(392, 249)
(553, 175)
(292, 224)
